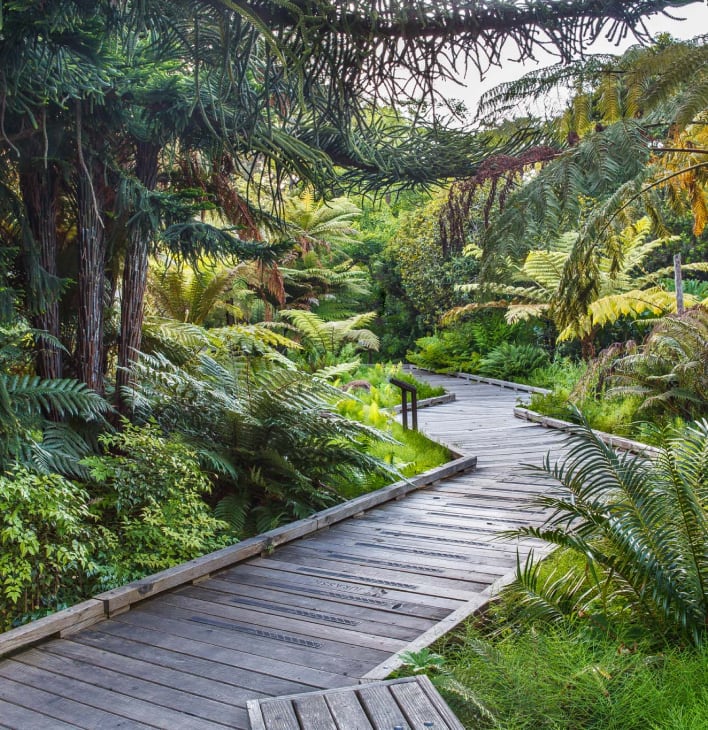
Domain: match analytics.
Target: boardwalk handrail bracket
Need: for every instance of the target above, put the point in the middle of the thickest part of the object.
(405, 389)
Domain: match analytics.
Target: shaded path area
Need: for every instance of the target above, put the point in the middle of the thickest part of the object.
(319, 612)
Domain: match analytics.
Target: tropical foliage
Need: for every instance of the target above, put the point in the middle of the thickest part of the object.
(670, 372)
(642, 529)
(184, 285)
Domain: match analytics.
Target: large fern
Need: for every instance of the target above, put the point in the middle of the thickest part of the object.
(267, 432)
(30, 406)
(641, 526)
(671, 370)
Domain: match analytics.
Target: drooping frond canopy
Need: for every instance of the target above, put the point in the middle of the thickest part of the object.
(363, 44)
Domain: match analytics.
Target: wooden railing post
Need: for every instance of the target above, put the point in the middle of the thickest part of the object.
(405, 389)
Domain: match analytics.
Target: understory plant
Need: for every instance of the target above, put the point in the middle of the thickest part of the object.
(372, 384)
(47, 541)
(641, 528)
(563, 678)
(462, 345)
(508, 361)
(670, 371)
(148, 493)
(267, 432)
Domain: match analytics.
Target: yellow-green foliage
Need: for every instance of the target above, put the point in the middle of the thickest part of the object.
(149, 494)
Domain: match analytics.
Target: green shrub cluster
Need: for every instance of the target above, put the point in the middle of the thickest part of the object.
(486, 345)
(48, 544)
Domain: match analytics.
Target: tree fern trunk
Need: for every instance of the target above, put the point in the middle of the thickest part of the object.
(91, 279)
(39, 187)
(135, 277)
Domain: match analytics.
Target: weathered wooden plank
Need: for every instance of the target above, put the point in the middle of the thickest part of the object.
(345, 589)
(132, 686)
(375, 611)
(157, 672)
(84, 613)
(227, 665)
(417, 559)
(317, 611)
(334, 630)
(416, 705)
(61, 700)
(313, 712)
(450, 718)
(279, 715)
(295, 649)
(381, 707)
(347, 711)
(20, 718)
(618, 442)
(356, 572)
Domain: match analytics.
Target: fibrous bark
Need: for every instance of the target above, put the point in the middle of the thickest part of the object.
(135, 270)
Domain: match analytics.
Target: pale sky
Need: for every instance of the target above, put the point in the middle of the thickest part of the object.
(695, 23)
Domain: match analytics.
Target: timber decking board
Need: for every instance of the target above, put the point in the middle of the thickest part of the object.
(316, 613)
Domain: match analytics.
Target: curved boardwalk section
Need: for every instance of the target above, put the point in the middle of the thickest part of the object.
(319, 612)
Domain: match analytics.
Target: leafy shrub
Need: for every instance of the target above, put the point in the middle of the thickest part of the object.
(450, 350)
(641, 526)
(150, 496)
(561, 373)
(460, 347)
(507, 361)
(47, 539)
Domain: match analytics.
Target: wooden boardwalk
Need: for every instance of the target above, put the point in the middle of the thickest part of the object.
(319, 612)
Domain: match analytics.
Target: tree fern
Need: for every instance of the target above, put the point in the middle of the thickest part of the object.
(671, 370)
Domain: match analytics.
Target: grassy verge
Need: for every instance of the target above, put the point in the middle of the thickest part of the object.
(380, 391)
(499, 671)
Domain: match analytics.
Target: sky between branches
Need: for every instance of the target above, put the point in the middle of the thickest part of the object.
(694, 22)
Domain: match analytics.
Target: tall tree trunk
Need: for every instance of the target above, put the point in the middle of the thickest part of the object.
(135, 277)
(91, 280)
(39, 187)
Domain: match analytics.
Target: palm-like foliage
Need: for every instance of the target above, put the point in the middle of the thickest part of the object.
(321, 224)
(641, 526)
(26, 433)
(671, 370)
(188, 294)
(621, 288)
(323, 341)
(266, 430)
(636, 143)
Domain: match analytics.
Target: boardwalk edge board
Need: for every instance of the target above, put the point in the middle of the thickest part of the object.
(508, 384)
(110, 603)
(437, 400)
(476, 604)
(617, 442)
